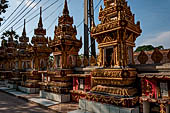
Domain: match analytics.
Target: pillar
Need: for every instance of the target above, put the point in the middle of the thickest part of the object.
(167, 108)
(163, 108)
(146, 107)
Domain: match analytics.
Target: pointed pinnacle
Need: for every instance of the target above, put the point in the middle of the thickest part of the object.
(11, 34)
(24, 31)
(40, 24)
(65, 10)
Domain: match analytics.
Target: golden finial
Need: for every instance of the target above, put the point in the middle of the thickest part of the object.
(65, 10)
(93, 24)
(40, 24)
(24, 30)
(100, 8)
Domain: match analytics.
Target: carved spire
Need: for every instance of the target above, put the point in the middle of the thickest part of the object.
(65, 10)
(11, 36)
(93, 24)
(40, 24)
(40, 30)
(24, 31)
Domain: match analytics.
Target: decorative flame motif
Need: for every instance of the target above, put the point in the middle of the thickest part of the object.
(157, 56)
(142, 58)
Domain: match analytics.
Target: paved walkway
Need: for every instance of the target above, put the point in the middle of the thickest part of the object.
(33, 98)
(12, 104)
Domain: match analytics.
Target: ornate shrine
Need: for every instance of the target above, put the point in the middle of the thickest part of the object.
(3, 59)
(65, 48)
(116, 35)
(40, 48)
(40, 52)
(24, 57)
(11, 61)
(23, 62)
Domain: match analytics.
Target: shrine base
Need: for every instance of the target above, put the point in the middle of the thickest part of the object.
(55, 97)
(2, 82)
(11, 86)
(29, 90)
(96, 107)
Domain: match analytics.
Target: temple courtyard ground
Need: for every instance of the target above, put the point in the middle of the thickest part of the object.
(12, 104)
(12, 101)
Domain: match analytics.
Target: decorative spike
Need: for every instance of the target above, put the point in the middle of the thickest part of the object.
(11, 34)
(50, 39)
(100, 8)
(65, 10)
(40, 24)
(93, 24)
(24, 30)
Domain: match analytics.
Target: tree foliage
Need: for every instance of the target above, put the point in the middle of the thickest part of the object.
(7, 34)
(3, 7)
(148, 48)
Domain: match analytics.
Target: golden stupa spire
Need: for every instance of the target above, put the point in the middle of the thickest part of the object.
(40, 24)
(65, 10)
(11, 36)
(24, 30)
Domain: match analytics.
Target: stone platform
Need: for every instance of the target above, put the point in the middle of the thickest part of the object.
(55, 97)
(79, 111)
(29, 90)
(11, 86)
(96, 107)
(2, 82)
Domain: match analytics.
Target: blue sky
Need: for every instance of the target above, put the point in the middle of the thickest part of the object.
(154, 16)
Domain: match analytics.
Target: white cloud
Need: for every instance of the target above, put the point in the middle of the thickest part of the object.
(28, 2)
(157, 39)
(18, 2)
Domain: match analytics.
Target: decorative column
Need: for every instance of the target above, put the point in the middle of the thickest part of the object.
(167, 108)
(101, 57)
(163, 108)
(133, 62)
(146, 107)
(103, 64)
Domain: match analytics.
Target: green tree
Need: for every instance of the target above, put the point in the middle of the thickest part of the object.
(160, 47)
(148, 48)
(7, 34)
(145, 48)
(3, 7)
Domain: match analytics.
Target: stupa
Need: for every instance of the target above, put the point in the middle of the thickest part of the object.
(2, 62)
(40, 52)
(113, 85)
(11, 62)
(65, 46)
